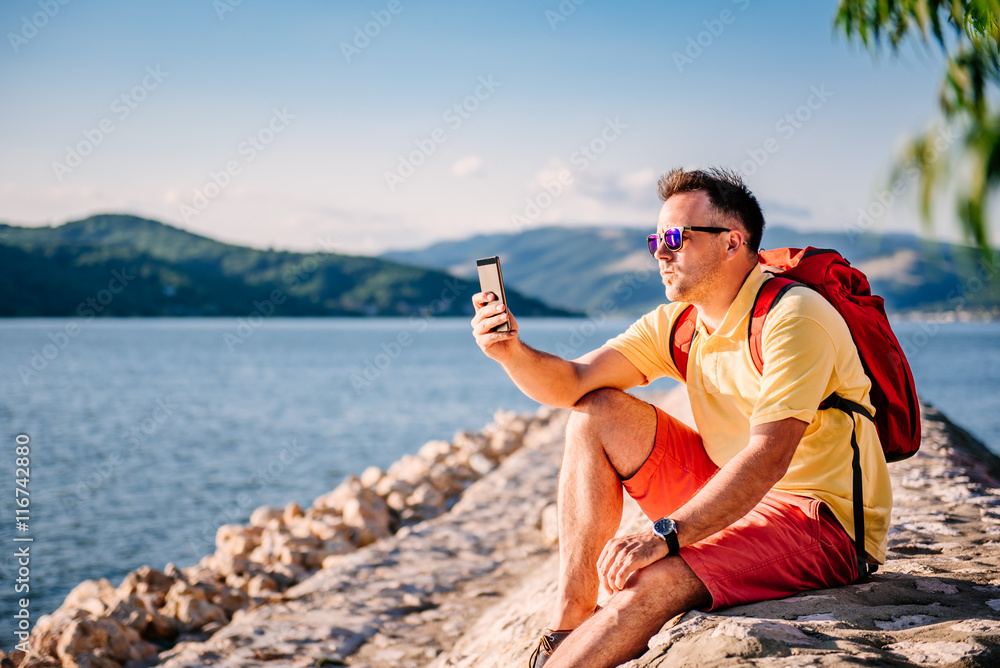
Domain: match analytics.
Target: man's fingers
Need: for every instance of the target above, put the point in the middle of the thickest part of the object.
(485, 324)
(482, 298)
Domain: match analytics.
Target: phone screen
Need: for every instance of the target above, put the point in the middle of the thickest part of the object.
(491, 280)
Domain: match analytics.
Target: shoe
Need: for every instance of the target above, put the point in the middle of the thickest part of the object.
(548, 643)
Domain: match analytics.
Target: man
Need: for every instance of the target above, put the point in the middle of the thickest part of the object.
(757, 503)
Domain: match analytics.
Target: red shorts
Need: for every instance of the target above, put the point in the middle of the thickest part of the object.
(785, 544)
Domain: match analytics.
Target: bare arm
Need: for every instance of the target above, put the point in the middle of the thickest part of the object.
(547, 378)
(729, 495)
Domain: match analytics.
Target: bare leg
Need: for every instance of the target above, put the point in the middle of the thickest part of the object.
(621, 630)
(609, 432)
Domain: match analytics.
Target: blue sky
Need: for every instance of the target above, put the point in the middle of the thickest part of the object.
(282, 123)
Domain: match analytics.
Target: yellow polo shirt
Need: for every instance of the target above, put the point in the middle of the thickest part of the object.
(808, 354)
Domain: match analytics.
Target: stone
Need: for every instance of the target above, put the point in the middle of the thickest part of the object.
(147, 581)
(191, 608)
(130, 611)
(265, 516)
(226, 564)
(935, 586)
(504, 443)
(101, 642)
(261, 585)
(470, 442)
(548, 524)
(94, 596)
(327, 528)
(371, 476)
(905, 622)
(230, 599)
(936, 653)
(435, 451)
(978, 626)
(236, 539)
(335, 500)
(300, 528)
(368, 517)
(742, 628)
(389, 485)
(449, 480)
(480, 463)
(409, 469)
(292, 512)
(428, 499)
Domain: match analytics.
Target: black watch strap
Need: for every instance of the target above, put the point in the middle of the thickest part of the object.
(666, 529)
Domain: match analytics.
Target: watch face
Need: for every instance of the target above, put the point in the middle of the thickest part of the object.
(664, 526)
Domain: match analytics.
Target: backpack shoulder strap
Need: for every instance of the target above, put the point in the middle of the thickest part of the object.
(768, 295)
(681, 335)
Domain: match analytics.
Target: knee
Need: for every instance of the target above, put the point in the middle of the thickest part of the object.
(667, 578)
(594, 410)
(599, 403)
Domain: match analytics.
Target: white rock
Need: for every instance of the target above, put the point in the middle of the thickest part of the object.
(819, 618)
(409, 469)
(339, 495)
(236, 539)
(94, 596)
(741, 628)
(370, 476)
(369, 517)
(935, 586)
(263, 516)
(480, 463)
(504, 443)
(261, 585)
(690, 623)
(435, 451)
(190, 606)
(292, 512)
(905, 622)
(981, 626)
(935, 653)
(471, 442)
(549, 523)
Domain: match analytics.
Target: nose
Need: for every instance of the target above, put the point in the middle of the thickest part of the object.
(663, 253)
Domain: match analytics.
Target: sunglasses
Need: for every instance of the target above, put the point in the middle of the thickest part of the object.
(673, 238)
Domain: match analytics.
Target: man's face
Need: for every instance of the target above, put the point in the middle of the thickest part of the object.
(691, 274)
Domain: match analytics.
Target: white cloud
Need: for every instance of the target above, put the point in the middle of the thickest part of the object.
(640, 182)
(467, 166)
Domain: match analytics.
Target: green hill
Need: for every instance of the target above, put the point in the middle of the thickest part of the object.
(592, 268)
(119, 265)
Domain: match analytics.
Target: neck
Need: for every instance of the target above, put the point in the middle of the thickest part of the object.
(714, 312)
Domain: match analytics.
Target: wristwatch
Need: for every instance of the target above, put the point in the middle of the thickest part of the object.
(666, 529)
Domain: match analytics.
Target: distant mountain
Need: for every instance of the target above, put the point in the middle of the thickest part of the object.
(608, 269)
(122, 265)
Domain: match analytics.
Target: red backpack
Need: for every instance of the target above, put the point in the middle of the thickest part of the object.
(893, 394)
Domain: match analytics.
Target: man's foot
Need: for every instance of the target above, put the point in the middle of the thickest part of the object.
(546, 645)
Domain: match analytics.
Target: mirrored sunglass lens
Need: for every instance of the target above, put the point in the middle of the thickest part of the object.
(652, 241)
(672, 237)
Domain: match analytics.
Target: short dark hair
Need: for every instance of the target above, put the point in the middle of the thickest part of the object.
(727, 193)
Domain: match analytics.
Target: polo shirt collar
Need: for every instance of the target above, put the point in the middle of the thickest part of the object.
(740, 307)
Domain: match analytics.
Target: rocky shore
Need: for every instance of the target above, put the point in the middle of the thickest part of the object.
(449, 559)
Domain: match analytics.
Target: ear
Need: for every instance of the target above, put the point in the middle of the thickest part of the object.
(735, 242)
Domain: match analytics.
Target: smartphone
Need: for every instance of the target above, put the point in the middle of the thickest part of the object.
(491, 280)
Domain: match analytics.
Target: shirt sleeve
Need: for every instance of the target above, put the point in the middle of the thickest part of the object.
(799, 364)
(646, 344)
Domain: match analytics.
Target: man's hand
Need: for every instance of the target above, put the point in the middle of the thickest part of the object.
(625, 555)
(490, 313)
